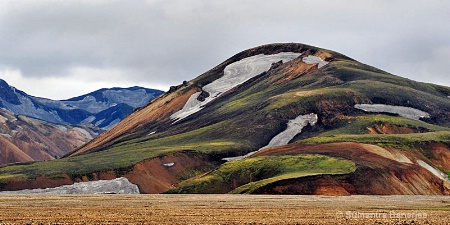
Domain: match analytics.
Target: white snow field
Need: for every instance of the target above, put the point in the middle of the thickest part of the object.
(311, 59)
(116, 186)
(294, 127)
(234, 74)
(434, 171)
(402, 111)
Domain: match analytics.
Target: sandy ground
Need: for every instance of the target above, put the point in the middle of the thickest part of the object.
(222, 209)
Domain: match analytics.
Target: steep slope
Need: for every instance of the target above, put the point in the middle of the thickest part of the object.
(23, 139)
(102, 109)
(314, 122)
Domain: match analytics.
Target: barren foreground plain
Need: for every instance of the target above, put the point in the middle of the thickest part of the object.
(222, 209)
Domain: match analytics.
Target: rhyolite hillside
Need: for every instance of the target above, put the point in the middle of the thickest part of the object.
(275, 119)
(35, 129)
(23, 139)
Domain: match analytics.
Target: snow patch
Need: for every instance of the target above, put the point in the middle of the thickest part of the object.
(311, 59)
(402, 111)
(151, 133)
(190, 107)
(169, 164)
(294, 127)
(117, 186)
(235, 74)
(83, 131)
(434, 171)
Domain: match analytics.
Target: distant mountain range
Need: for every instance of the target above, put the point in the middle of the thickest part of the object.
(35, 129)
(101, 109)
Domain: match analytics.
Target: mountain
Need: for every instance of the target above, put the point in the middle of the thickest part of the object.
(23, 139)
(275, 119)
(102, 109)
(35, 129)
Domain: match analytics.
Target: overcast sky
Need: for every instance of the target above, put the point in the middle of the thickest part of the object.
(62, 49)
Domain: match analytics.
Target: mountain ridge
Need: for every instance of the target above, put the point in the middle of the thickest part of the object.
(346, 150)
(87, 110)
(60, 126)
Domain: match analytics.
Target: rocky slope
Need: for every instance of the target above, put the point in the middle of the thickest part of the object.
(23, 139)
(34, 129)
(293, 119)
(102, 109)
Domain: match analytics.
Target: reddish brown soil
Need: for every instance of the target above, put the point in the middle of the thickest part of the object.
(390, 129)
(441, 155)
(375, 174)
(26, 140)
(296, 69)
(11, 153)
(38, 182)
(151, 175)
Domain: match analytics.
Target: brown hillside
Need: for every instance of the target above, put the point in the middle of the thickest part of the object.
(23, 139)
(380, 171)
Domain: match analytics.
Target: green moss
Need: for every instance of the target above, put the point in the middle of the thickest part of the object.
(394, 140)
(117, 158)
(247, 175)
(305, 96)
(360, 125)
(57, 176)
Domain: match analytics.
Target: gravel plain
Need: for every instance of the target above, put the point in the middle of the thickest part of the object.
(222, 209)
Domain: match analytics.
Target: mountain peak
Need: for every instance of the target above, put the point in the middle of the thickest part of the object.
(8, 93)
(269, 49)
(296, 119)
(3, 83)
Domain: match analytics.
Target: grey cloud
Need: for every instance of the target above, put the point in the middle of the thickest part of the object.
(174, 40)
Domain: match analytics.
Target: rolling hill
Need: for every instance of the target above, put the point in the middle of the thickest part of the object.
(275, 119)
